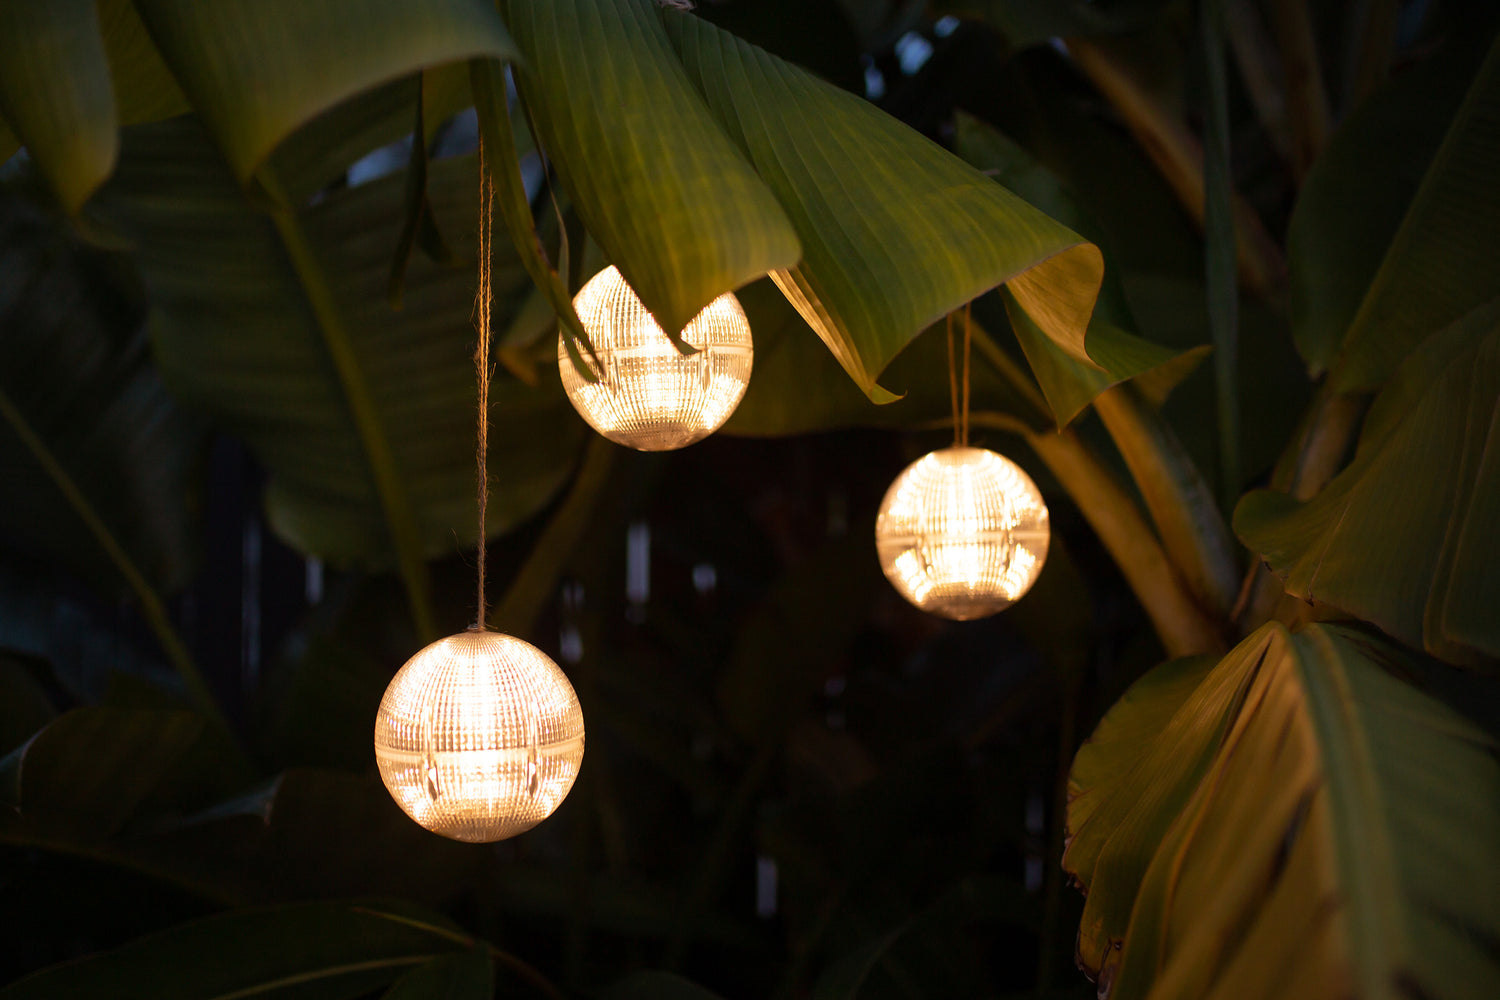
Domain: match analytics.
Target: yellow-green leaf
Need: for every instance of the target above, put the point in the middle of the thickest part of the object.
(1404, 537)
(896, 231)
(256, 70)
(56, 95)
(674, 205)
(1335, 844)
(256, 361)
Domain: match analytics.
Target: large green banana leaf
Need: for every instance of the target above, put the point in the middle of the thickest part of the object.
(895, 231)
(97, 457)
(241, 329)
(256, 70)
(55, 93)
(1117, 353)
(674, 205)
(328, 950)
(1441, 263)
(1326, 830)
(797, 386)
(1406, 537)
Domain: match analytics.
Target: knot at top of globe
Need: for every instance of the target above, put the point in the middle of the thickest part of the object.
(479, 736)
(962, 533)
(649, 396)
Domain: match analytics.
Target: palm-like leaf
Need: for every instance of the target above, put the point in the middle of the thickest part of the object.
(243, 334)
(1440, 264)
(97, 455)
(327, 950)
(895, 230)
(1301, 824)
(1405, 537)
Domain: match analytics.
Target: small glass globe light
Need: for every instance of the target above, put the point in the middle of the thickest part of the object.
(650, 396)
(479, 736)
(962, 533)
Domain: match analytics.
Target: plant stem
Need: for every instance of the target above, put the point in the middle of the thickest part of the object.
(1219, 241)
(1013, 373)
(537, 579)
(1307, 97)
(1183, 627)
(394, 501)
(151, 605)
(1372, 37)
(1314, 457)
(1260, 71)
(1191, 526)
(1172, 146)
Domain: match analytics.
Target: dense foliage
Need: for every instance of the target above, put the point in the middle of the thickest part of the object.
(1233, 268)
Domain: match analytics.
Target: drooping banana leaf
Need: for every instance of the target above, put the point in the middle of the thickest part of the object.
(1335, 839)
(1116, 351)
(1405, 537)
(798, 388)
(55, 94)
(257, 70)
(237, 335)
(98, 459)
(327, 950)
(895, 231)
(674, 205)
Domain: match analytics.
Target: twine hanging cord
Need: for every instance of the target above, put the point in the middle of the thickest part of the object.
(960, 408)
(483, 369)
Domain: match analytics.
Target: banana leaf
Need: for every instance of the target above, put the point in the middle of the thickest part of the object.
(98, 459)
(256, 70)
(327, 950)
(56, 95)
(1333, 838)
(1441, 263)
(238, 336)
(674, 205)
(896, 231)
(1405, 537)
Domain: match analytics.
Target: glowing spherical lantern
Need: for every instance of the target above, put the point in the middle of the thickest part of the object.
(479, 736)
(962, 533)
(649, 395)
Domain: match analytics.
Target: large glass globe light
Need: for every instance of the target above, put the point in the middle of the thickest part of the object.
(962, 533)
(649, 395)
(479, 736)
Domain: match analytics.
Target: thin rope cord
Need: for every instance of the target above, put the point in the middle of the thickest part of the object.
(953, 380)
(968, 337)
(482, 371)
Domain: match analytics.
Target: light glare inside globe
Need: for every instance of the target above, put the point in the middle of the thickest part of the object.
(479, 736)
(649, 396)
(962, 533)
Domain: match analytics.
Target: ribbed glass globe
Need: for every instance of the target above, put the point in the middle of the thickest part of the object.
(479, 736)
(650, 396)
(962, 533)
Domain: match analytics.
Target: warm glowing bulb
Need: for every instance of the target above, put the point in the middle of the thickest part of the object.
(962, 533)
(649, 395)
(479, 736)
